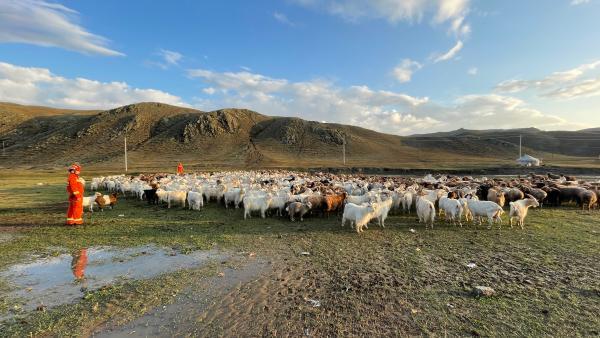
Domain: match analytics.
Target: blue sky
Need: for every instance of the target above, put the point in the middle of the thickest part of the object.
(396, 66)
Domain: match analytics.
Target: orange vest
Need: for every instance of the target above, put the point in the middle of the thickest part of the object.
(74, 186)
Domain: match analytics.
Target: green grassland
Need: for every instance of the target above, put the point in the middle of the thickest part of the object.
(390, 281)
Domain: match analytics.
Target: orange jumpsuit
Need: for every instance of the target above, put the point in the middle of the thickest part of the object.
(75, 190)
(79, 263)
(180, 169)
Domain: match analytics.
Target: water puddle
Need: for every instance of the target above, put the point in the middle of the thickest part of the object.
(63, 279)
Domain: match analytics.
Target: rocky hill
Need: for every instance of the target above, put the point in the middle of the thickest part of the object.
(159, 135)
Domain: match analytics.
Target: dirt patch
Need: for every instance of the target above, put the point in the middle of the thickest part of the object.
(180, 318)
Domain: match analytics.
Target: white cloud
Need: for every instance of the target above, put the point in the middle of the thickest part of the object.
(567, 84)
(473, 71)
(450, 54)
(48, 24)
(585, 88)
(311, 100)
(170, 57)
(453, 12)
(29, 85)
(579, 2)
(384, 111)
(282, 18)
(394, 122)
(403, 71)
(493, 111)
(209, 90)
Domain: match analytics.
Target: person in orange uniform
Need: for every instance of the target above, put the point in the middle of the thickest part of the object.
(79, 263)
(180, 169)
(75, 189)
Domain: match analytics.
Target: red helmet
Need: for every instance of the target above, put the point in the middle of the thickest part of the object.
(75, 167)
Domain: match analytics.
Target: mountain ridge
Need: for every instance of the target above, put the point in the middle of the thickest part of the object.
(159, 134)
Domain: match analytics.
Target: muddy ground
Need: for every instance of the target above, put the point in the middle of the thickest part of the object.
(277, 278)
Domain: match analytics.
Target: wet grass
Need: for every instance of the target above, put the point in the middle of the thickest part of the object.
(384, 282)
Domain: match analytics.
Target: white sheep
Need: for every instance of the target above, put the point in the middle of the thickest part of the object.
(360, 199)
(163, 195)
(195, 200)
(425, 211)
(176, 197)
(233, 195)
(256, 202)
(465, 208)
(452, 209)
(407, 201)
(359, 215)
(381, 210)
(518, 210)
(488, 209)
(278, 203)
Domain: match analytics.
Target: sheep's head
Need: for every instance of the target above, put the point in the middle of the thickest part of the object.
(534, 203)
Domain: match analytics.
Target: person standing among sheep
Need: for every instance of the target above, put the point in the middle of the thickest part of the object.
(75, 189)
(180, 169)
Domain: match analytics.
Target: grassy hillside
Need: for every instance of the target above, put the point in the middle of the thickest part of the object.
(159, 135)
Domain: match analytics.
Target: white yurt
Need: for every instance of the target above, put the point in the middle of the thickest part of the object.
(528, 161)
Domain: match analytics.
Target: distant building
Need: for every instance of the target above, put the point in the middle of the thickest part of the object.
(528, 161)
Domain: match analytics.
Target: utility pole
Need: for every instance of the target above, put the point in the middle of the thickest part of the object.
(125, 153)
(520, 139)
(344, 150)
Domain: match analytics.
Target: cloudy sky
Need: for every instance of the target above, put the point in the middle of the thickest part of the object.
(396, 66)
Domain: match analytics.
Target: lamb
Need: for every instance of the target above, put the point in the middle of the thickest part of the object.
(425, 211)
(234, 195)
(518, 210)
(195, 200)
(90, 201)
(104, 200)
(452, 209)
(381, 211)
(256, 203)
(488, 209)
(176, 197)
(359, 215)
(298, 208)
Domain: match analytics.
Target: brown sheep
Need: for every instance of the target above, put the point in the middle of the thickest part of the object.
(496, 196)
(588, 199)
(514, 194)
(334, 202)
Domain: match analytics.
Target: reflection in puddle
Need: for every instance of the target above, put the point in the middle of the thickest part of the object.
(63, 279)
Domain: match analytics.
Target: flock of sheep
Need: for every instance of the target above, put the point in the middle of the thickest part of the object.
(359, 198)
